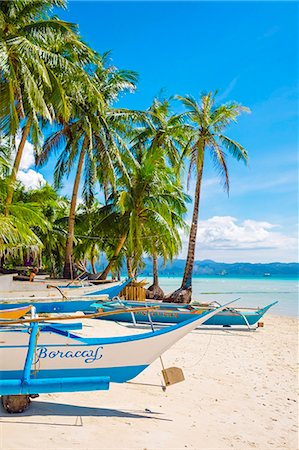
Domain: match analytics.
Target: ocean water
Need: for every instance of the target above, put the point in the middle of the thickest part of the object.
(253, 292)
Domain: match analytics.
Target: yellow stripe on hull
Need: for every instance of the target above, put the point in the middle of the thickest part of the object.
(15, 313)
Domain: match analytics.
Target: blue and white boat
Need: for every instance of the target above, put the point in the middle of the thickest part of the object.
(42, 357)
(73, 300)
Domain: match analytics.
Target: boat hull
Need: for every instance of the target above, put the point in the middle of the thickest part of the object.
(167, 314)
(59, 305)
(61, 355)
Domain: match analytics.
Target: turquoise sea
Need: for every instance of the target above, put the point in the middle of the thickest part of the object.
(253, 292)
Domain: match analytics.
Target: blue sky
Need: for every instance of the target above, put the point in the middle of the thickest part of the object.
(246, 50)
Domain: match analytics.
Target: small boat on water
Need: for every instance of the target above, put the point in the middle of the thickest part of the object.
(38, 355)
(176, 313)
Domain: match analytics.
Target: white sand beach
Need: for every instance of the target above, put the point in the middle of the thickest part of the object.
(239, 392)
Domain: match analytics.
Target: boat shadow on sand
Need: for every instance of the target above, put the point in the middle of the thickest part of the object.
(42, 408)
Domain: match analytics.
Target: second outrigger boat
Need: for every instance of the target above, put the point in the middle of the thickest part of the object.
(167, 313)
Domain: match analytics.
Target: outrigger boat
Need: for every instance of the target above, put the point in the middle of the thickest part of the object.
(37, 289)
(40, 356)
(167, 313)
(55, 305)
(69, 301)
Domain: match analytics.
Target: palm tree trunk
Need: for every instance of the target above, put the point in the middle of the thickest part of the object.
(115, 255)
(129, 267)
(155, 270)
(68, 261)
(16, 165)
(187, 278)
(154, 291)
(92, 259)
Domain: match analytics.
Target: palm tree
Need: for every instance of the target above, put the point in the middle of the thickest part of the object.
(35, 52)
(161, 130)
(92, 137)
(18, 230)
(206, 126)
(88, 247)
(146, 206)
(54, 209)
(166, 244)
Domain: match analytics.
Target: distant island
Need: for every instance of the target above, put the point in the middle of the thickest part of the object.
(208, 267)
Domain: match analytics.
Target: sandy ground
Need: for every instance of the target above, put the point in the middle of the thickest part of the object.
(239, 393)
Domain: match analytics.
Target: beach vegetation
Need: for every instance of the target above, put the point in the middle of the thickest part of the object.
(125, 166)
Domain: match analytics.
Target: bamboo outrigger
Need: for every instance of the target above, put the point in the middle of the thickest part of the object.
(168, 313)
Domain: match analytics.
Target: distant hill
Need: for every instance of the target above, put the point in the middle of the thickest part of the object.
(208, 267)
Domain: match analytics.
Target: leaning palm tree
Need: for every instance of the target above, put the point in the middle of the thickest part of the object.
(36, 50)
(206, 125)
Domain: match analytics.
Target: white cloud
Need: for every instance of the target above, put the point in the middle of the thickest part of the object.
(224, 238)
(31, 179)
(223, 95)
(28, 176)
(28, 159)
(224, 232)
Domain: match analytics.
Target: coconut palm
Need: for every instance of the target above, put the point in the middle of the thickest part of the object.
(55, 210)
(161, 130)
(206, 125)
(92, 139)
(88, 247)
(146, 206)
(18, 229)
(36, 50)
(166, 244)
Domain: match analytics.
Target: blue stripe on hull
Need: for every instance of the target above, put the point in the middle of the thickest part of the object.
(55, 306)
(233, 320)
(116, 374)
(68, 306)
(179, 317)
(156, 317)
